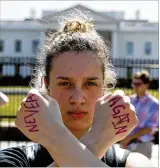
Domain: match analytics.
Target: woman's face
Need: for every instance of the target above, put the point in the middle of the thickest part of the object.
(76, 82)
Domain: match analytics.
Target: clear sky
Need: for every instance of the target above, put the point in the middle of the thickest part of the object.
(18, 10)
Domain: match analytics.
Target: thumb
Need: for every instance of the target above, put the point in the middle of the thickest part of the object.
(51, 101)
(105, 97)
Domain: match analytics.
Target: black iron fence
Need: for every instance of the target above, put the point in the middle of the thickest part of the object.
(15, 77)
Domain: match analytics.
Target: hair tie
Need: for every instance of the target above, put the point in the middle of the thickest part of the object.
(77, 26)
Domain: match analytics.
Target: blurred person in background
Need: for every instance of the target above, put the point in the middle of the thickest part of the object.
(147, 109)
(3, 99)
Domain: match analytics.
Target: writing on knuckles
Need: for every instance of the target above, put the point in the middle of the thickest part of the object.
(30, 108)
(121, 118)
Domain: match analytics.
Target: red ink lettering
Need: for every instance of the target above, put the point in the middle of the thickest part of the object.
(32, 105)
(123, 118)
(33, 112)
(121, 129)
(29, 98)
(116, 109)
(29, 121)
(33, 128)
(113, 101)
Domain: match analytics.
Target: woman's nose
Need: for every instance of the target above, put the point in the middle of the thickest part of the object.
(77, 96)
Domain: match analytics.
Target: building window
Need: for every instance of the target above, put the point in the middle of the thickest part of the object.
(129, 48)
(1, 45)
(8, 70)
(147, 48)
(35, 44)
(18, 46)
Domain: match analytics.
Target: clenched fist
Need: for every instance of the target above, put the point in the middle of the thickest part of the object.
(39, 117)
(114, 118)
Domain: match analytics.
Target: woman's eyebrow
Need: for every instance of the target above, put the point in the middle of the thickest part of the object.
(68, 78)
(63, 77)
(92, 78)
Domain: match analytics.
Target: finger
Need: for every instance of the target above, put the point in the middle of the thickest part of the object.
(33, 91)
(105, 97)
(119, 92)
(127, 102)
(129, 107)
(37, 94)
(132, 108)
(126, 99)
(108, 95)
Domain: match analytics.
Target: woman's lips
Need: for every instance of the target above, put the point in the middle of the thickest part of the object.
(77, 114)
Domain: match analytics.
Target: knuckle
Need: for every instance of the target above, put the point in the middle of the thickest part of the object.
(132, 108)
(126, 99)
(55, 102)
(16, 122)
(24, 100)
(109, 94)
(127, 104)
(22, 103)
(135, 120)
(98, 102)
(120, 92)
(117, 96)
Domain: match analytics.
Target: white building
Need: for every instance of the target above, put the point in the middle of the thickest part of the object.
(134, 43)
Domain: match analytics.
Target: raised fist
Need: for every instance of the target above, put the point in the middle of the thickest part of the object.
(114, 118)
(39, 117)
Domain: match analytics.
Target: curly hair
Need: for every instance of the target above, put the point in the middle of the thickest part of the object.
(76, 32)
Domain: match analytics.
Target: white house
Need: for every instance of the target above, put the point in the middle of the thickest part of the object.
(134, 43)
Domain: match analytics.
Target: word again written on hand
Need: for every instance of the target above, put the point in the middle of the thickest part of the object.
(117, 114)
(31, 108)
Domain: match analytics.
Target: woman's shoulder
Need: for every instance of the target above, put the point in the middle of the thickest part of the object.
(116, 156)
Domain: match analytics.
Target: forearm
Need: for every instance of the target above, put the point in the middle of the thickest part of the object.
(97, 145)
(66, 150)
(140, 132)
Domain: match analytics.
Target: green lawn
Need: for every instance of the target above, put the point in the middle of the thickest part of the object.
(14, 87)
(12, 106)
(15, 101)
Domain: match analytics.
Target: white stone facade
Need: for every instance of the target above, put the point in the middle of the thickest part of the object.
(121, 31)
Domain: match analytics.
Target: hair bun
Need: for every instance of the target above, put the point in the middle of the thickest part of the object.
(77, 26)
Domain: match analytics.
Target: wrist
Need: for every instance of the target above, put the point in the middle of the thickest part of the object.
(54, 137)
(98, 145)
(72, 151)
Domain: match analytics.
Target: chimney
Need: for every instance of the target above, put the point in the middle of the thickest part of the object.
(137, 15)
(32, 13)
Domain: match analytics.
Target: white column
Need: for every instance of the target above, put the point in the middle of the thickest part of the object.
(42, 35)
(114, 48)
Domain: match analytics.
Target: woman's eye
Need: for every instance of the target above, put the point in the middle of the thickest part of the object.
(65, 84)
(91, 84)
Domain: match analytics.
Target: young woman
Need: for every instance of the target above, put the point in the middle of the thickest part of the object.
(68, 113)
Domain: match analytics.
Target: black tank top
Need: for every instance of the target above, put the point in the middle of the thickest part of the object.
(37, 156)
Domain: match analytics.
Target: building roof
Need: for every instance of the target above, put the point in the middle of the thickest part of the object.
(97, 16)
(100, 18)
